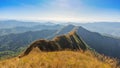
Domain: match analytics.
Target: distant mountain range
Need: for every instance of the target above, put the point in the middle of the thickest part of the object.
(22, 29)
(105, 28)
(17, 38)
(66, 50)
(14, 23)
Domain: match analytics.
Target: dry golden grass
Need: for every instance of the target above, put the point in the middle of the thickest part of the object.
(60, 59)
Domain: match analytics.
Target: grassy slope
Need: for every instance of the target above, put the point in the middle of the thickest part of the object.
(61, 59)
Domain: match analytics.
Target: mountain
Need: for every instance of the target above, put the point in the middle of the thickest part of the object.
(13, 43)
(63, 30)
(103, 44)
(109, 28)
(15, 23)
(105, 28)
(53, 54)
(23, 29)
(70, 41)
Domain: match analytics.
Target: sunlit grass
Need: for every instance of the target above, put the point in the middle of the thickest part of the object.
(60, 59)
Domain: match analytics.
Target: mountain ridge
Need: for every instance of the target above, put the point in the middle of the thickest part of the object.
(69, 41)
(108, 46)
(102, 44)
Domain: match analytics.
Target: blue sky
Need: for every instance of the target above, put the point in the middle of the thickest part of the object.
(61, 10)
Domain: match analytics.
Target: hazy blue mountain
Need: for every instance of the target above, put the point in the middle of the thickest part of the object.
(32, 28)
(102, 44)
(106, 28)
(14, 23)
(63, 30)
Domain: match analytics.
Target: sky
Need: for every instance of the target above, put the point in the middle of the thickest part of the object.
(61, 10)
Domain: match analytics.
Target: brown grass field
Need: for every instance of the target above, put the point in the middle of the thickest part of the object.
(60, 59)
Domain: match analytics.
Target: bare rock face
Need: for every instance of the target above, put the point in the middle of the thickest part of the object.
(69, 41)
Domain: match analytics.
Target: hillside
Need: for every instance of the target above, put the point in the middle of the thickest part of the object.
(108, 46)
(64, 51)
(14, 43)
(70, 41)
(61, 59)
